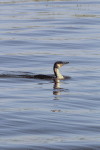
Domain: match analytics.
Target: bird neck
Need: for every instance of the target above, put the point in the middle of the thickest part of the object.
(57, 74)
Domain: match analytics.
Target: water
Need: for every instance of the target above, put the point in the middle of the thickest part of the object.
(33, 114)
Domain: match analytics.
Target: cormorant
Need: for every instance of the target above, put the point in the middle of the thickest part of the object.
(57, 74)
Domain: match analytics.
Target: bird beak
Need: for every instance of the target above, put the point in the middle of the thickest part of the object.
(66, 63)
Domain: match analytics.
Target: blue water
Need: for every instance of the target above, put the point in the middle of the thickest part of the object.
(33, 113)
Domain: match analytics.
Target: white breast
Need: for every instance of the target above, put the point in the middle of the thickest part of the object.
(59, 76)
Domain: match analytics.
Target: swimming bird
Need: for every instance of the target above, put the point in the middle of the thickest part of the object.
(55, 77)
(57, 74)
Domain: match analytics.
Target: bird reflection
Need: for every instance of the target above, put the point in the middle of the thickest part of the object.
(56, 83)
(57, 89)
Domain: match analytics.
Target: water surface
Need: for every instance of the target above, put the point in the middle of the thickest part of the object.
(33, 113)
